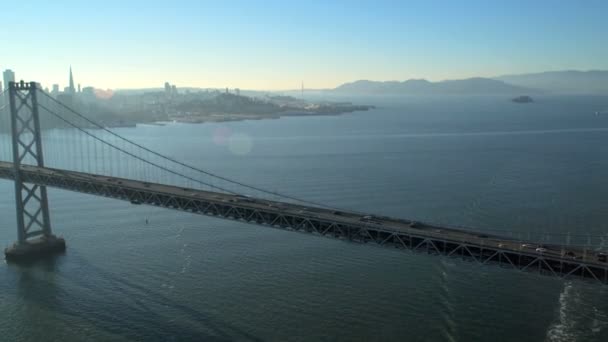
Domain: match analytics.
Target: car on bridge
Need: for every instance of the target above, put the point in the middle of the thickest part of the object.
(370, 219)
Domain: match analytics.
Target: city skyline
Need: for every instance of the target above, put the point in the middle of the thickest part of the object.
(277, 46)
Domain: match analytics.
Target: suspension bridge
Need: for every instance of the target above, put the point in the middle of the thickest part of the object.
(87, 157)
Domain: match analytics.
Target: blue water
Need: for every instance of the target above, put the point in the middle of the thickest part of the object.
(482, 162)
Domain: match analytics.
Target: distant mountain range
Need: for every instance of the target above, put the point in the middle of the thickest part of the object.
(562, 82)
(423, 87)
(559, 82)
(550, 82)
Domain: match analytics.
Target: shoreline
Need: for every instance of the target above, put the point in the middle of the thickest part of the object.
(227, 117)
(232, 117)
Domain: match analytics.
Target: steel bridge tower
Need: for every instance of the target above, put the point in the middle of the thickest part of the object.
(34, 235)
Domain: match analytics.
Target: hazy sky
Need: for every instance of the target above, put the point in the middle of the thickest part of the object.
(277, 44)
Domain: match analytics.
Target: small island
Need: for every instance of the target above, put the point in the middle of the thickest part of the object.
(523, 99)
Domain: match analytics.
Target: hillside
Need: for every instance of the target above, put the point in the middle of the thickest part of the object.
(571, 81)
(471, 86)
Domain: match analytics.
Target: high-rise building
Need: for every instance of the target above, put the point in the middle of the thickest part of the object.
(78, 87)
(88, 94)
(9, 76)
(4, 117)
(55, 91)
(66, 98)
(167, 89)
(71, 88)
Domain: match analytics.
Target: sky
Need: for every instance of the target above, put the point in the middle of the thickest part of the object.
(274, 45)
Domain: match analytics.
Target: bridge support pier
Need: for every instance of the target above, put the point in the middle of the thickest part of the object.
(35, 248)
(34, 235)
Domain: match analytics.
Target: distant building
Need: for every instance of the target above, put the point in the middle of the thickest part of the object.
(237, 91)
(79, 87)
(55, 90)
(9, 76)
(88, 94)
(66, 98)
(71, 88)
(4, 119)
(88, 91)
(173, 90)
(167, 89)
(42, 100)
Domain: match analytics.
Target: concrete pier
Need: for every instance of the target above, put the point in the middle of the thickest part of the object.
(35, 249)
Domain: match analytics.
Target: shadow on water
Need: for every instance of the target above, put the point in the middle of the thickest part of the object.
(36, 285)
(48, 263)
(118, 306)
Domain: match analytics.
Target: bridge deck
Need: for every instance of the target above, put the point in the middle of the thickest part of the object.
(557, 260)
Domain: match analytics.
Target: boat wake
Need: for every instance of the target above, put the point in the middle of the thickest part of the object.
(578, 317)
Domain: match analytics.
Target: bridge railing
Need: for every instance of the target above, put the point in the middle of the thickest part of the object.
(555, 235)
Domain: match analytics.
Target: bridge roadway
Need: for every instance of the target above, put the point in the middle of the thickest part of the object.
(556, 260)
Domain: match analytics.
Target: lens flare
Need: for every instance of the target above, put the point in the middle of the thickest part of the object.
(222, 135)
(240, 144)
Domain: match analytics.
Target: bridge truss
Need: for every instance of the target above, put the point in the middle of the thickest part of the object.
(102, 163)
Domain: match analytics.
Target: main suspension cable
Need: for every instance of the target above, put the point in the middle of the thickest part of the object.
(274, 193)
(133, 155)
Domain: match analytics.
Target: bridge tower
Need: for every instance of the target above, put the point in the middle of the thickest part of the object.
(34, 235)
